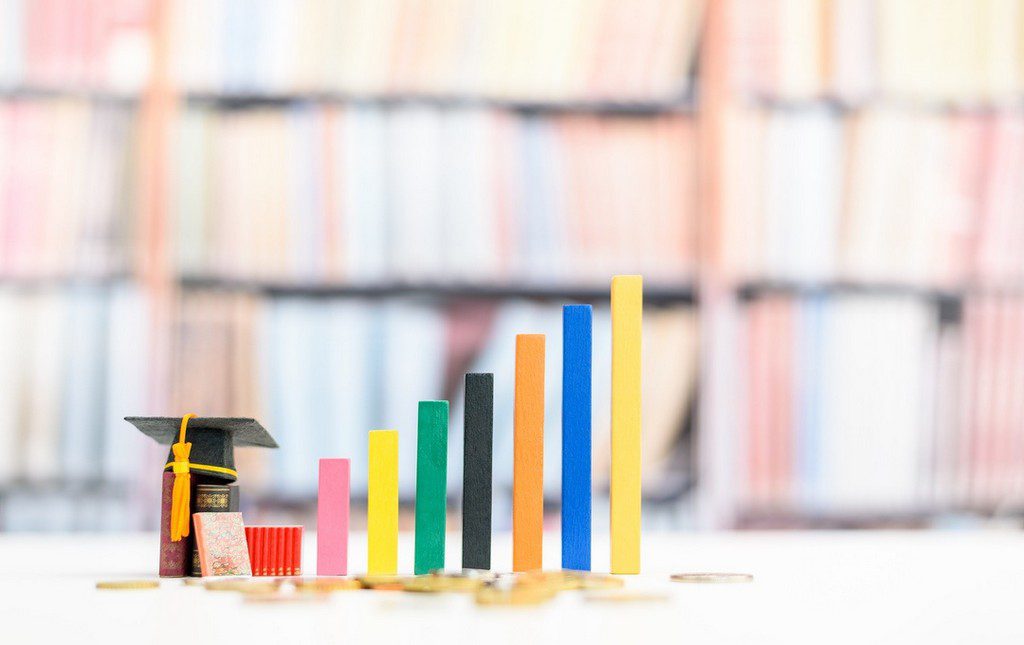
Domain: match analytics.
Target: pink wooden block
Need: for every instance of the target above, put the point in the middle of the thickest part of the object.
(332, 518)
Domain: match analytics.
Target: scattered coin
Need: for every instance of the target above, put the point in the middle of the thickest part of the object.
(712, 578)
(128, 584)
(441, 583)
(382, 583)
(590, 581)
(553, 580)
(327, 585)
(242, 585)
(495, 595)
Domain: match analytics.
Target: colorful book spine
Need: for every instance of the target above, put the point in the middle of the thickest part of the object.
(275, 550)
(262, 550)
(173, 555)
(296, 550)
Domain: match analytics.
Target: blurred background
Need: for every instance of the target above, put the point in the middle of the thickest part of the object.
(318, 212)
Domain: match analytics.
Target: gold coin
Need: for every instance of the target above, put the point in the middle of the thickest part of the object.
(128, 584)
(382, 583)
(600, 581)
(554, 580)
(712, 578)
(327, 585)
(516, 596)
(627, 596)
(441, 583)
(244, 586)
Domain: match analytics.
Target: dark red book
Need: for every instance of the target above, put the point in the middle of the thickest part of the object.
(174, 556)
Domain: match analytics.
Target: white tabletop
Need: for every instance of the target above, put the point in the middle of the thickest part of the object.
(894, 587)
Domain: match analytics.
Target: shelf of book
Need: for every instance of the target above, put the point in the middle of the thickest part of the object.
(841, 105)
(38, 283)
(682, 105)
(239, 101)
(656, 294)
(681, 294)
(780, 137)
(73, 487)
(753, 290)
(920, 517)
(129, 99)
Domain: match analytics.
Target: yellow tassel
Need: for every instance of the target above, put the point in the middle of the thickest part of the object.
(182, 493)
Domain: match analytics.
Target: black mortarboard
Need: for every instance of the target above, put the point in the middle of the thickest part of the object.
(213, 441)
(203, 445)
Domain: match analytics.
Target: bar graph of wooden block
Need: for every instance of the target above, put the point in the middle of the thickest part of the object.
(576, 435)
(382, 504)
(431, 485)
(528, 468)
(478, 439)
(627, 311)
(332, 512)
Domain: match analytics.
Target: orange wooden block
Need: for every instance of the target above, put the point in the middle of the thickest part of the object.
(528, 469)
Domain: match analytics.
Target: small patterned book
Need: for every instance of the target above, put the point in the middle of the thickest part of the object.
(220, 538)
(210, 498)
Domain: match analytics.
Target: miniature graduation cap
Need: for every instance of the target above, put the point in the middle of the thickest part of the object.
(210, 451)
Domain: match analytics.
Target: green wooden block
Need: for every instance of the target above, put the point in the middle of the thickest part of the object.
(431, 485)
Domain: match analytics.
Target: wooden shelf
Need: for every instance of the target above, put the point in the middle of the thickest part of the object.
(33, 93)
(653, 294)
(684, 104)
(30, 283)
(752, 290)
(906, 104)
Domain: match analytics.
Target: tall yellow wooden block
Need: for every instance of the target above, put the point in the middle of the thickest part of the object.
(382, 504)
(627, 308)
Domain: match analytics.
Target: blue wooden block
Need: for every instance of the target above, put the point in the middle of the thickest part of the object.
(576, 423)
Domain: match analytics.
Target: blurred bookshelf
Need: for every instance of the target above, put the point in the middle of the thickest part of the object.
(221, 272)
(859, 302)
(318, 213)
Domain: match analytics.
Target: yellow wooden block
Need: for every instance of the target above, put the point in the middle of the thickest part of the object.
(627, 314)
(382, 504)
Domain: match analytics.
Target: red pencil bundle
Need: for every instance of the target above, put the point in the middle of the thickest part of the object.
(275, 550)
